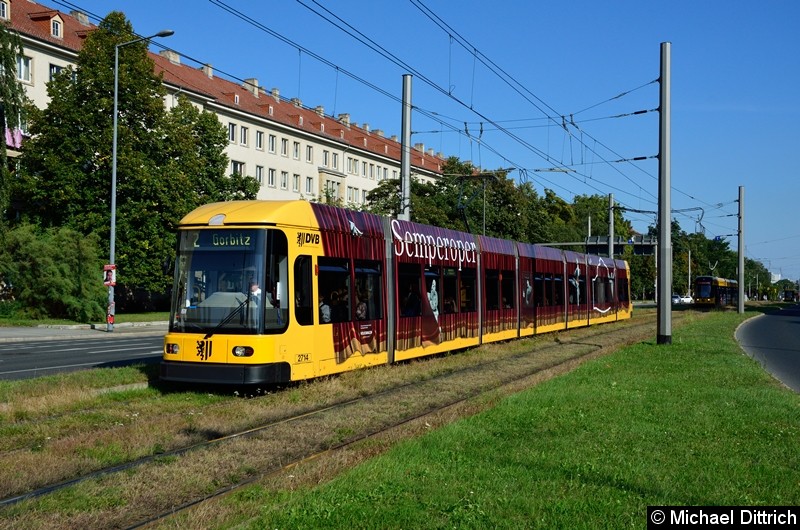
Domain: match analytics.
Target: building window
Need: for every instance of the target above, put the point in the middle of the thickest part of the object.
(260, 140)
(260, 175)
(296, 182)
(335, 160)
(325, 157)
(372, 171)
(284, 180)
(237, 168)
(55, 70)
(331, 189)
(310, 185)
(24, 68)
(284, 147)
(310, 154)
(55, 28)
(296, 150)
(271, 178)
(3, 9)
(363, 169)
(363, 196)
(243, 135)
(385, 173)
(231, 132)
(272, 143)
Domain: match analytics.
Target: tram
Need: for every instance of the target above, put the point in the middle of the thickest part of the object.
(279, 291)
(714, 292)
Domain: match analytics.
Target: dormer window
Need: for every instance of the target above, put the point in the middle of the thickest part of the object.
(57, 27)
(4, 9)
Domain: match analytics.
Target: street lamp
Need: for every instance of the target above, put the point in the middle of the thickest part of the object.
(111, 311)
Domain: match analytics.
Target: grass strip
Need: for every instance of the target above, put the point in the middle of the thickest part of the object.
(696, 422)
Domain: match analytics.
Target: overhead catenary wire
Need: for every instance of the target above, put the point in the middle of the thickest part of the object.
(355, 33)
(589, 179)
(370, 85)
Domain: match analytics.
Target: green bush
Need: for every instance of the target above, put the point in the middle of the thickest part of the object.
(55, 273)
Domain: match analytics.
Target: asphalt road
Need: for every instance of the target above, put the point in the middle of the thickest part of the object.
(38, 356)
(773, 339)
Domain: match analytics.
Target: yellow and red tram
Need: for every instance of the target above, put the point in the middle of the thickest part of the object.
(711, 291)
(278, 291)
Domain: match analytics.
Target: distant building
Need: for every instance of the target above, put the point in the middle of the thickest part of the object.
(292, 150)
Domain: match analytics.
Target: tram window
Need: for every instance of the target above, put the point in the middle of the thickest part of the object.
(527, 291)
(409, 281)
(599, 290)
(276, 287)
(369, 290)
(549, 290)
(334, 287)
(509, 300)
(539, 296)
(573, 290)
(450, 290)
(467, 290)
(303, 309)
(622, 289)
(433, 289)
(558, 290)
(582, 290)
(492, 289)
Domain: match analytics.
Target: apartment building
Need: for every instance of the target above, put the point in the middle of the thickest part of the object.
(294, 151)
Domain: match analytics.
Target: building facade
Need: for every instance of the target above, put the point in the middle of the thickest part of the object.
(293, 151)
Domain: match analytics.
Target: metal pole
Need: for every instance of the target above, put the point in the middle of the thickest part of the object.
(405, 152)
(610, 226)
(111, 310)
(664, 206)
(741, 249)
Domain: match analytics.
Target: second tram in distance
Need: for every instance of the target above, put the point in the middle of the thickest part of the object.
(278, 291)
(710, 291)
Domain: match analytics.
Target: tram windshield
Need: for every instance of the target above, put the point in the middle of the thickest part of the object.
(703, 290)
(230, 281)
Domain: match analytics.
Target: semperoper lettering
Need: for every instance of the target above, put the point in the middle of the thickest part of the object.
(416, 245)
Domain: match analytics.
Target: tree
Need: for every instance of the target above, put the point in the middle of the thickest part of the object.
(194, 150)
(167, 162)
(12, 101)
(596, 208)
(54, 273)
(563, 224)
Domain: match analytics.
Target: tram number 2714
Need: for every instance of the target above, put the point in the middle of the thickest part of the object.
(303, 357)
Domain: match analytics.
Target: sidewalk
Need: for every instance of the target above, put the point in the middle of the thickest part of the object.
(80, 331)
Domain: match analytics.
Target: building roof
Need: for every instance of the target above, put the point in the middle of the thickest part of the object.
(33, 20)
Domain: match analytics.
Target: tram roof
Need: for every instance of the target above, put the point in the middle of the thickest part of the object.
(255, 212)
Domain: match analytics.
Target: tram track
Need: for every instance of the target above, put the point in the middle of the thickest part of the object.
(268, 449)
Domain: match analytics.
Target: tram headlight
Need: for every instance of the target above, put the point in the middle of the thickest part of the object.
(242, 351)
(172, 348)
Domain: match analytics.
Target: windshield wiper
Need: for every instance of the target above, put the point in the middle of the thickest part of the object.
(229, 317)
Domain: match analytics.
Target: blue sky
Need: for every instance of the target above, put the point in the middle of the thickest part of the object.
(735, 110)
